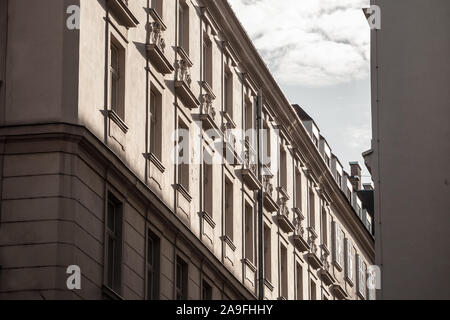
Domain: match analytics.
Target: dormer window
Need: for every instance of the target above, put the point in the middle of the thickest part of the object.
(327, 160)
(315, 141)
(339, 179)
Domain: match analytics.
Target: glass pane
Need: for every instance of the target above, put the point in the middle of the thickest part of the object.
(150, 288)
(111, 259)
(150, 252)
(111, 217)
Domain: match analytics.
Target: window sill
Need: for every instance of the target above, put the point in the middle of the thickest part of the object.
(207, 217)
(183, 191)
(269, 285)
(349, 281)
(184, 56)
(157, 18)
(250, 264)
(337, 265)
(283, 192)
(229, 120)
(123, 13)
(155, 160)
(208, 89)
(229, 242)
(113, 116)
(111, 293)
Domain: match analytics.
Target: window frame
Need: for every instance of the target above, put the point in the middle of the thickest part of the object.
(113, 278)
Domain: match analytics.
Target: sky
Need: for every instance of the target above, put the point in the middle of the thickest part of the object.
(319, 53)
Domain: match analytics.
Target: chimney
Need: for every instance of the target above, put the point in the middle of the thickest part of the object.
(355, 175)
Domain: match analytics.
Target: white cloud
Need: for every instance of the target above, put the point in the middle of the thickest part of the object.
(309, 42)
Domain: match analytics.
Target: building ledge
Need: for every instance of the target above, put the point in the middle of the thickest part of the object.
(186, 95)
(285, 224)
(250, 179)
(300, 243)
(158, 59)
(314, 260)
(123, 13)
(269, 203)
(339, 292)
(326, 277)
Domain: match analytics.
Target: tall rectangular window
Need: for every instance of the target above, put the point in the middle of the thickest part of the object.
(338, 239)
(113, 243)
(117, 78)
(208, 184)
(362, 269)
(207, 62)
(349, 262)
(228, 92)
(249, 115)
(283, 272)
(155, 115)
(313, 290)
(283, 169)
(153, 263)
(266, 144)
(183, 155)
(249, 251)
(181, 279)
(229, 219)
(267, 253)
(206, 291)
(298, 189)
(324, 227)
(299, 282)
(312, 209)
(183, 26)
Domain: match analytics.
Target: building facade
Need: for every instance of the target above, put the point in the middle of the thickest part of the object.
(409, 159)
(108, 132)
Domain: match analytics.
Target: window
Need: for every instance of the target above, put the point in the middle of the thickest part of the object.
(229, 209)
(313, 290)
(266, 144)
(228, 94)
(183, 26)
(283, 272)
(327, 160)
(249, 252)
(315, 141)
(181, 279)
(208, 184)
(155, 123)
(299, 282)
(362, 268)
(349, 260)
(183, 155)
(207, 62)
(267, 253)
(338, 252)
(113, 243)
(249, 115)
(312, 209)
(206, 291)
(283, 169)
(324, 227)
(157, 5)
(339, 179)
(117, 78)
(298, 189)
(153, 260)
